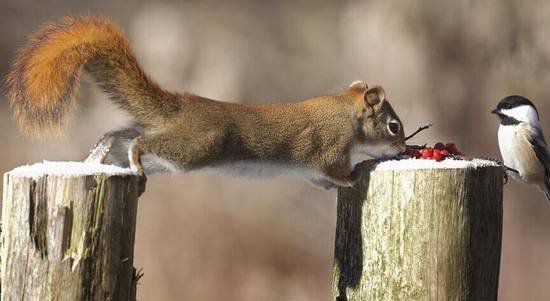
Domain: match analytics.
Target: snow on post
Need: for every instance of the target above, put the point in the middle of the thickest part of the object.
(68, 232)
(420, 230)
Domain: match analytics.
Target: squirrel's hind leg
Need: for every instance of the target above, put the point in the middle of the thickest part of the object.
(153, 154)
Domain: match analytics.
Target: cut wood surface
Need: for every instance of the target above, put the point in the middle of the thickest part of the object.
(69, 234)
(428, 233)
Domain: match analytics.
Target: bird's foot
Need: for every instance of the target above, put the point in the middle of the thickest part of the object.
(500, 163)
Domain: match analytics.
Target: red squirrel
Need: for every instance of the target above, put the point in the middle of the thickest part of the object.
(315, 138)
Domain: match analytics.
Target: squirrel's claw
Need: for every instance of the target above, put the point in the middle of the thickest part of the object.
(100, 150)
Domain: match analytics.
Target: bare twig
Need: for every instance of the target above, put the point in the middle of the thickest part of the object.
(420, 129)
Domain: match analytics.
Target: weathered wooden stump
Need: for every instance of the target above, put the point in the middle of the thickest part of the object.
(428, 232)
(68, 232)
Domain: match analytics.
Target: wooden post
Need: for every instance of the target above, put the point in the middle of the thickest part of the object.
(68, 232)
(420, 234)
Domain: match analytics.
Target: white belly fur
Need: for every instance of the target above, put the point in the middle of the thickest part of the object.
(506, 142)
(254, 169)
(518, 154)
(251, 169)
(153, 164)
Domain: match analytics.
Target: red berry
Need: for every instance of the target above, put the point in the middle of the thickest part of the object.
(437, 155)
(445, 153)
(412, 152)
(427, 153)
(451, 147)
(439, 145)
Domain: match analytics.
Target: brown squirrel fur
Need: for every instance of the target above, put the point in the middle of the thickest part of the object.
(189, 132)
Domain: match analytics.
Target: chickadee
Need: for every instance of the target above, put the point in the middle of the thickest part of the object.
(522, 143)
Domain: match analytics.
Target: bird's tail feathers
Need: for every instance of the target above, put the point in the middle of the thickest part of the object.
(547, 185)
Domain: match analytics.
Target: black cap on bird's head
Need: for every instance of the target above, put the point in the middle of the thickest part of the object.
(513, 101)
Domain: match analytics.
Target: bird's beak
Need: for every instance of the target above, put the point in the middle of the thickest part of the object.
(495, 111)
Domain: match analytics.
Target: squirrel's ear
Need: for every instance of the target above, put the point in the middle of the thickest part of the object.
(375, 95)
(358, 84)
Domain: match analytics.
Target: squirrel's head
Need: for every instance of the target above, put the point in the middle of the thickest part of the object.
(380, 131)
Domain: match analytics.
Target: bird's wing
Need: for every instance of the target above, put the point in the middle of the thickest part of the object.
(541, 150)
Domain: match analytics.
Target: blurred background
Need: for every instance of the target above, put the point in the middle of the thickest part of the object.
(208, 237)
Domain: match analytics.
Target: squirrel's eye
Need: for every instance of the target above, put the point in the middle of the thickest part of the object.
(394, 127)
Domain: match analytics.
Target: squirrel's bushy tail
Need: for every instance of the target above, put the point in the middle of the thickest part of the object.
(45, 74)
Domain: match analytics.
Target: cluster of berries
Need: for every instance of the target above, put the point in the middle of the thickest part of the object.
(439, 152)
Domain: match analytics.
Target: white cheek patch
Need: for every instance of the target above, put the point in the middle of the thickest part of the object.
(523, 113)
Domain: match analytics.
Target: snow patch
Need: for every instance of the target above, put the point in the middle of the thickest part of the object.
(432, 164)
(69, 169)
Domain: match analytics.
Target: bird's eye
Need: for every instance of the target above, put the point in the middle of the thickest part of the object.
(394, 127)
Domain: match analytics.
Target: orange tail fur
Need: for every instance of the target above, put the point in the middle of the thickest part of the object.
(44, 77)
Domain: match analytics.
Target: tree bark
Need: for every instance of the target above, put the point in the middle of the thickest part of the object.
(424, 234)
(69, 237)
